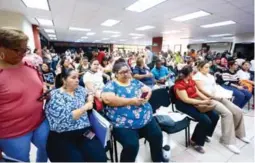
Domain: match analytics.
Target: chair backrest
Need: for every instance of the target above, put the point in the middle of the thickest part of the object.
(172, 94)
(159, 97)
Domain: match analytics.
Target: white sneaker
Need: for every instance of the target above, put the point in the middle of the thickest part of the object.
(245, 139)
(233, 148)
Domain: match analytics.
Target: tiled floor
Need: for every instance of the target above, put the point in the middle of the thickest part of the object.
(215, 152)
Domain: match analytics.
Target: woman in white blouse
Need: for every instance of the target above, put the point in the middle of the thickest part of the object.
(232, 122)
(245, 76)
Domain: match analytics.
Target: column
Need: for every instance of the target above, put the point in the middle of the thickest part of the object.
(37, 41)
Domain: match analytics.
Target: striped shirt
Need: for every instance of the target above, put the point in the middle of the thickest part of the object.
(230, 78)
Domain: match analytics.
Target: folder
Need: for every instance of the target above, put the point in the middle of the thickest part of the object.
(100, 126)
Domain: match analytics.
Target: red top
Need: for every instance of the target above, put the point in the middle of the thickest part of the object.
(100, 57)
(190, 88)
(20, 112)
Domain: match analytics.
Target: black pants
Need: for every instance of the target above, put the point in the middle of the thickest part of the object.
(206, 121)
(72, 146)
(129, 139)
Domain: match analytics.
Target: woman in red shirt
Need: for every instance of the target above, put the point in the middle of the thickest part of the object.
(188, 96)
(22, 120)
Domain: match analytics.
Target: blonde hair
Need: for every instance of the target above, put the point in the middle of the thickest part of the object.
(11, 38)
(139, 61)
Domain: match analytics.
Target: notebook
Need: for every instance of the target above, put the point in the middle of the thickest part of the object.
(101, 127)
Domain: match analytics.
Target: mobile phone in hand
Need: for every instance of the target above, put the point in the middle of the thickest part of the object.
(144, 95)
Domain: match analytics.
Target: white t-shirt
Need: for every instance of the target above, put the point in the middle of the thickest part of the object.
(208, 81)
(210, 86)
(252, 65)
(242, 75)
(95, 78)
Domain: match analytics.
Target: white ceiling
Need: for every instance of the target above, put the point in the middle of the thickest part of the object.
(91, 13)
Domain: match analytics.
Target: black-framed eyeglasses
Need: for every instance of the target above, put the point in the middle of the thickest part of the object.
(124, 72)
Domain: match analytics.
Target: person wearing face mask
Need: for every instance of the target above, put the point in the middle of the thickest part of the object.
(131, 114)
(22, 119)
(71, 138)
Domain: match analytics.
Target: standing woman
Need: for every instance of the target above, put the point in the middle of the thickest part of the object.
(22, 119)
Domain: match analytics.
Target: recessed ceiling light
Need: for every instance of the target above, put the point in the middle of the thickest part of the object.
(190, 16)
(105, 39)
(49, 30)
(221, 35)
(110, 22)
(84, 37)
(136, 34)
(115, 36)
(198, 40)
(142, 5)
(230, 22)
(45, 22)
(38, 4)
(52, 35)
(90, 33)
(227, 38)
(145, 28)
(135, 38)
(113, 32)
(172, 31)
(79, 29)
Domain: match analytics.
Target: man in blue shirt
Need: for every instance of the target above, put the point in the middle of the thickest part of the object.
(160, 73)
(142, 73)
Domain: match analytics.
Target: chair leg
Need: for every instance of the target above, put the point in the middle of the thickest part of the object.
(189, 135)
(116, 151)
(111, 150)
(186, 137)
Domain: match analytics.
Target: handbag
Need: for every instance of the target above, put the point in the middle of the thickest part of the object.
(98, 105)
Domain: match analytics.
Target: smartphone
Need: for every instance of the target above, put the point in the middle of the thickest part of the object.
(144, 95)
(44, 95)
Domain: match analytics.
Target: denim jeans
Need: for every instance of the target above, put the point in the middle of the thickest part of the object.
(241, 97)
(206, 121)
(129, 139)
(73, 146)
(19, 147)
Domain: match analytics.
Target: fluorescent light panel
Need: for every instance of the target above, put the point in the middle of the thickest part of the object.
(172, 31)
(113, 32)
(136, 34)
(135, 38)
(53, 38)
(221, 35)
(142, 5)
(49, 30)
(52, 35)
(230, 22)
(123, 40)
(105, 39)
(45, 22)
(90, 33)
(110, 22)
(38, 4)
(115, 36)
(145, 28)
(79, 29)
(190, 16)
(227, 38)
(84, 37)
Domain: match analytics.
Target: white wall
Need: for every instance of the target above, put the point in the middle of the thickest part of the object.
(19, 21)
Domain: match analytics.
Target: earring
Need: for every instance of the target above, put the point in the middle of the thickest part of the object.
(2, 55)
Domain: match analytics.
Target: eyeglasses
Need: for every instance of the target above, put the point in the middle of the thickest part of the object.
(124, 72)
(20, 50)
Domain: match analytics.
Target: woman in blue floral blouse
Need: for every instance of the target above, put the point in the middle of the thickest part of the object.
(71, 138)
(131, 115)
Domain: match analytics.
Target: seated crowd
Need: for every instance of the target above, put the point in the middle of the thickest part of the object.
(207, 86)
